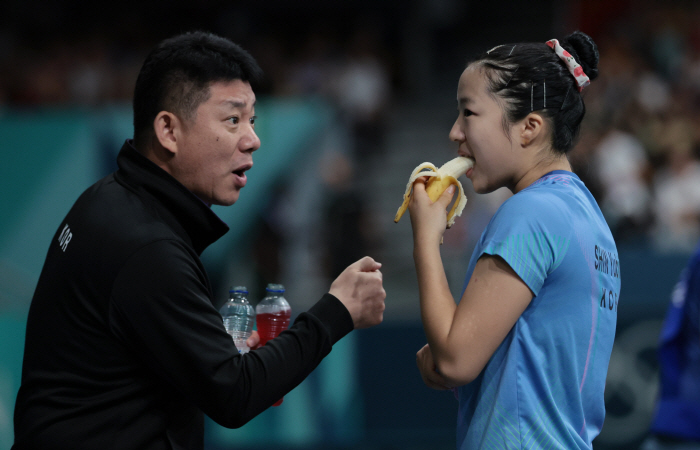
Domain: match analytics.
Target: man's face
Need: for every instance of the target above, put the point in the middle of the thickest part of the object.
(216, 147)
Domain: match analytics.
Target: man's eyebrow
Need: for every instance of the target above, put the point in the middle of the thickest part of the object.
(235, 103)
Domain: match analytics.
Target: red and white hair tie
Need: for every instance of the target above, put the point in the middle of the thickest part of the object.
(575, 68)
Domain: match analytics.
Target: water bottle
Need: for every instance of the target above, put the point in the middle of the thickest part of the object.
(238, 315)
(272, 316)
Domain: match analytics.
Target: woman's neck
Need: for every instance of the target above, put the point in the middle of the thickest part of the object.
(560, 162)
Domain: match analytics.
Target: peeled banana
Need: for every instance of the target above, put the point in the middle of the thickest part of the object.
(440, 180)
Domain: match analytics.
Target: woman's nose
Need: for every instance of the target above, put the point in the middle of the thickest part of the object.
(456, 133)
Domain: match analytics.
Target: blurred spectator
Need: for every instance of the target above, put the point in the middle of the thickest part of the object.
(346, 234)
(313, 68)
(362, 90)
(89, 77)
(620, 162)
(677, 185)
(268, 243)
(676, 424)
(653, 93)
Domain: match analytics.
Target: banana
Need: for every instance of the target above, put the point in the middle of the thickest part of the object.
(440, 180)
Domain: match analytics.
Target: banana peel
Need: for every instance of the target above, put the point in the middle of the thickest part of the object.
(440, 179)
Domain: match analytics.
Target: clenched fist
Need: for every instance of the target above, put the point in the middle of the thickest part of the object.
(360, 289)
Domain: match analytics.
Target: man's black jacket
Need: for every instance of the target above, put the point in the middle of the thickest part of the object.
(124, 348)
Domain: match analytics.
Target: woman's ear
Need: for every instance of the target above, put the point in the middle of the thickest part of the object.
(531, 128)
(166, 126)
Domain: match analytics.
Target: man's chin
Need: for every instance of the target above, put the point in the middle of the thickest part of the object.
(228, 201)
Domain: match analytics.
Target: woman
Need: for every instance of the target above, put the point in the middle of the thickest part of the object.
(528, 344)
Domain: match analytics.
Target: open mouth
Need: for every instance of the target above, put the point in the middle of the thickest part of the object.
(242, 170)
(240, 176)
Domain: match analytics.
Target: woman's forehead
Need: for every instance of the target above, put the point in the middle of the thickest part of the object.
(472, 84)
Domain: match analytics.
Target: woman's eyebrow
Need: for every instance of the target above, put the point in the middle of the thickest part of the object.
(464, 100)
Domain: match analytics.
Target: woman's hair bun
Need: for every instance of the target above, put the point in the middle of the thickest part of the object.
(584, 50)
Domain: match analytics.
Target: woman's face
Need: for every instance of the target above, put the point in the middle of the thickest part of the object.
(480, 134)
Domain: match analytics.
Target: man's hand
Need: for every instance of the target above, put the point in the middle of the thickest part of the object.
(426, 366)
(254, 340)
(360, 289)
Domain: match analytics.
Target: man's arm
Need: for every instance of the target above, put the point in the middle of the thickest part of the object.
(161, 310)
(361, 291)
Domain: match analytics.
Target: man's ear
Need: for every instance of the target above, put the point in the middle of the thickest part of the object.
(167, 128)
(532, 127)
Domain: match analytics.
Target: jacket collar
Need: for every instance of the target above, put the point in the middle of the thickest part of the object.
(191, 218)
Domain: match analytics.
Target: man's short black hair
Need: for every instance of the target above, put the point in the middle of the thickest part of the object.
(177, 74)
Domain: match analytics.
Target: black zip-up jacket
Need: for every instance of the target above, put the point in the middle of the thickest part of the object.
(124, 348)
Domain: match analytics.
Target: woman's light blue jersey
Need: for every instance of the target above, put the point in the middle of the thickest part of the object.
(543, 387)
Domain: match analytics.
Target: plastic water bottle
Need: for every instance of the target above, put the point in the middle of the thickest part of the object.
(238, 315)
(272, 316)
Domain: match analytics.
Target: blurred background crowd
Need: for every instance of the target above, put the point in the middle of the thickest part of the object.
(386, 72)
(638, 150)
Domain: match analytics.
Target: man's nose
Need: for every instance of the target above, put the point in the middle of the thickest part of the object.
(250, 142)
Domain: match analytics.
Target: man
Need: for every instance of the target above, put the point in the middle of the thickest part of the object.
(676, 421)
(124, 348)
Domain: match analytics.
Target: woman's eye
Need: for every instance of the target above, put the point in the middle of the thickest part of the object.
(252, 120)
(467, 113)
(234, 120)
